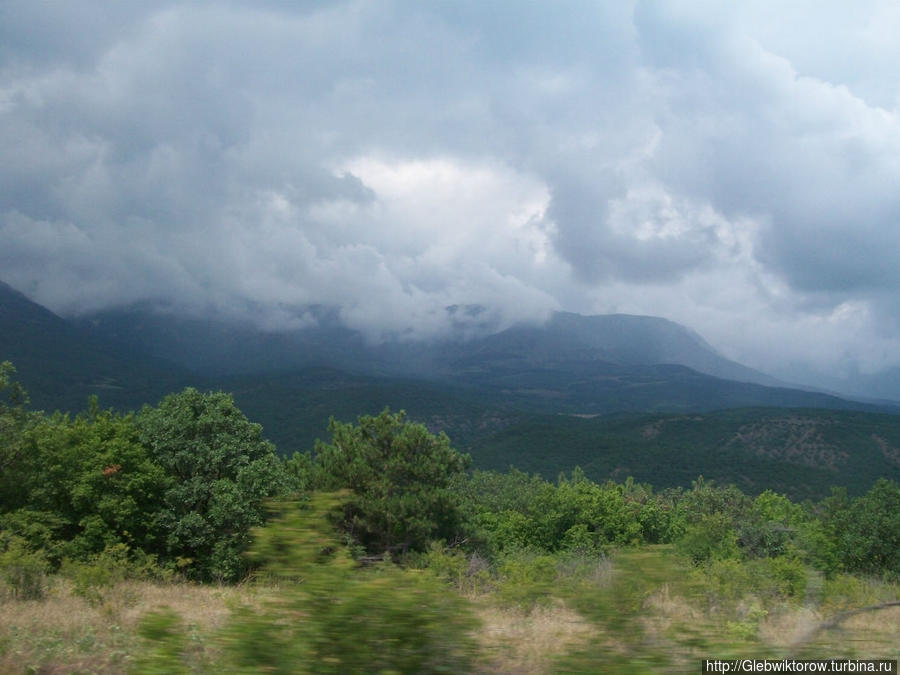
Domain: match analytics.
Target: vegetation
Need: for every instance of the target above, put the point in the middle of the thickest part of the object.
(218, 469)
(398, 475)
(380, 552)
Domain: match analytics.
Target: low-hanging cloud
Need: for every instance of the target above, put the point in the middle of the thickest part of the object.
(689, 159)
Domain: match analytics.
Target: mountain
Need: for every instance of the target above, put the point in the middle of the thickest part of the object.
(568, 339)
(883, 386)
(223, 347)
(613, 394)
(570, 363)
(61, 365)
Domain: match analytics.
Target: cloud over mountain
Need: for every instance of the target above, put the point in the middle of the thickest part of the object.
(732, 167)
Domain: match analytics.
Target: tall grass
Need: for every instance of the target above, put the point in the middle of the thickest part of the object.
(638, 610)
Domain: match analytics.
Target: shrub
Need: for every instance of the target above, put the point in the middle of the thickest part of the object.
(866, 530)
(789, 575)
(330, 616)
(712, 538)
(526, 578)
(219, 469)
(92, 578)
(163, 644)
(23, 570)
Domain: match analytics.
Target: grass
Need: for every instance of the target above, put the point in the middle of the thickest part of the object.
(514, 640)
(641, 610)
(65, 633)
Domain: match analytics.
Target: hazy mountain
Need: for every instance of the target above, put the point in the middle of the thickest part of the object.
(571, 363)
(217, 347)
(569, 340)
(882, 386)
(224, 347)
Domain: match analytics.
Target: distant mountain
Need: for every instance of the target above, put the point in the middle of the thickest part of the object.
(568, 339)
(223, 347)
(571, 363)
(880, 386)
(61, 365)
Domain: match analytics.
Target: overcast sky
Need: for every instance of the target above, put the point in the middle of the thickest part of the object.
(734, 166)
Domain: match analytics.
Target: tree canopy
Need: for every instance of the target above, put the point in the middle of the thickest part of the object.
(399, 476)
(219, 469)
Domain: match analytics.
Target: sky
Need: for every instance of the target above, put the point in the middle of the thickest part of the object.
(734, 167)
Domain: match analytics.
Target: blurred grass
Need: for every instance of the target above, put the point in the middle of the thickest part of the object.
(640, 610)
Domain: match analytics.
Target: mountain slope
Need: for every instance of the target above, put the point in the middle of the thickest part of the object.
(571, 363)
(568, 339)
(61, 366)
(800, 452)
(224, 347)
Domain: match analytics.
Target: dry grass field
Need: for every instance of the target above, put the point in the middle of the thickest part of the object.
(630, 618)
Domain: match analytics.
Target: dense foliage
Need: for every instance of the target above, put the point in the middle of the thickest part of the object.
(218, 469)
(399, 477)
(380, 619)
(183, 482)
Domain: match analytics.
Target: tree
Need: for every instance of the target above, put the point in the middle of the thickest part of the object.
(399, 477)
(866, 530)
(15, 421)
(220, 469)
(93, 481)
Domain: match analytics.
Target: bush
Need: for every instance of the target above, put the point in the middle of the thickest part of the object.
(712, 538)
(163, 644)
(526, 579)
(23, 570)
(789, 575)
(330, 616)
(92, 578)
(866, 530)
(219, 469)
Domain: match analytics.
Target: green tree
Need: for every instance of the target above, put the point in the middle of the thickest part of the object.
(15, 422)
(771, 526)
(399, 477)
(93, 474)
(84, 484)
(866, 530)
(219, 469)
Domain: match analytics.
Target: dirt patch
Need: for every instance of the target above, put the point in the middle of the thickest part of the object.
(890, 453)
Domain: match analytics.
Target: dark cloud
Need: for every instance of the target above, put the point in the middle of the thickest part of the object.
(691, 159)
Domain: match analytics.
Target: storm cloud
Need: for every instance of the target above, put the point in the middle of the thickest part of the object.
(735, 168)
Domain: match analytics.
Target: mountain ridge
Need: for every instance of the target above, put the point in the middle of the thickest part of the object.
(571, 363)
(220, 347)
